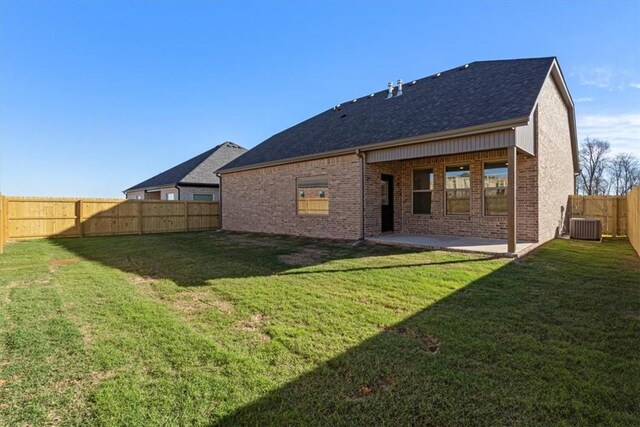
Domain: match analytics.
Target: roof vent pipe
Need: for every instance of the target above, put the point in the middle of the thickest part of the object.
(399, 87)
(390, 94)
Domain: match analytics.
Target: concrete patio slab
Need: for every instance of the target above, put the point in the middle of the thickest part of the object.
(453, 243)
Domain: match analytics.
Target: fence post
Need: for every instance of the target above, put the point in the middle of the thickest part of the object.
(5, 220)
(614, 216)
(79, 215)
(186, 216)
(2, 214)
(140, 226)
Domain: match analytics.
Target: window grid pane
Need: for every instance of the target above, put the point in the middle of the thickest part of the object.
(458, 202)
(422, 202)
(458, 177)
(458, 190)
(423, 184)
(495, 188)
(423, 179)
(312, 195)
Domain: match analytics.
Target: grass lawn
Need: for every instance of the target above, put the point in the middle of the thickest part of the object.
(240, 329)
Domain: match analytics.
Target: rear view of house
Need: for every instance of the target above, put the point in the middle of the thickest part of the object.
(487, 149)
(194, 179)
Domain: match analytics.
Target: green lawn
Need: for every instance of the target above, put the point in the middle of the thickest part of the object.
(240, 329)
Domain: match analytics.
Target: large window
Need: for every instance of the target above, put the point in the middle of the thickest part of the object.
(458, 190)
(313, 195)
(422, 191)
(495, 188)
(203, 197)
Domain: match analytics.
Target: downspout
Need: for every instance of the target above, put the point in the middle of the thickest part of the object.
(178, 188)
(362, 166)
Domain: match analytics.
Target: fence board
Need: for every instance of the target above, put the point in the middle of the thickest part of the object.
(633, 218)
(31, 217)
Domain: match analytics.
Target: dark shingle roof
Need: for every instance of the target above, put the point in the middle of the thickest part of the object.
(485, 92)
(197, 170)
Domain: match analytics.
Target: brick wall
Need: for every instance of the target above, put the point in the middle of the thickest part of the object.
(133, 195)
(264, 200)
(476, 223)
(555, 161)
(186, 193)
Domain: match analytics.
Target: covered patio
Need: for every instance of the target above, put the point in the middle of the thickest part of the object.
(454, 243)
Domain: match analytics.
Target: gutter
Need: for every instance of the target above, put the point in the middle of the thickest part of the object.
(485, 128)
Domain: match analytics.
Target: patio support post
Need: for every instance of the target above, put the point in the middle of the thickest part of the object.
(511, 199)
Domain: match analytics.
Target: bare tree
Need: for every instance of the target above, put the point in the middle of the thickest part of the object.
(624, 171)
(594, 160)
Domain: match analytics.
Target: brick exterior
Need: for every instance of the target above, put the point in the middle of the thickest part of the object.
(134, 195)
(186, 193)
(555, 161)
(476, 224)
(264, 200)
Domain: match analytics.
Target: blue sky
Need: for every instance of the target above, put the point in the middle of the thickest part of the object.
(97, 96)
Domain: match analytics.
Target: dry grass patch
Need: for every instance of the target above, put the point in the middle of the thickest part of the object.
(143, 280)
(55, 263)
(305, 257)
(253, 240)
(254, 324)
(430, 343)
(195, 302)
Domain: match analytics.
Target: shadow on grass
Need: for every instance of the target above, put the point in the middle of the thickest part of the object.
(192, 259)
(542, 340)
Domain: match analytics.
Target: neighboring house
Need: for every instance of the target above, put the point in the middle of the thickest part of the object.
(194, 179)
(487, 149)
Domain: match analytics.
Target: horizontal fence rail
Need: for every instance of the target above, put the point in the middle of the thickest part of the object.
(35, 217)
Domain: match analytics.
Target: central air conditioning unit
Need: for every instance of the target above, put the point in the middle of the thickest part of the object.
(585, 229)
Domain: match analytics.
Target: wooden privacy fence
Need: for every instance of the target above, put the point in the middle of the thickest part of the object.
(34, 217)
(610, 210)
(633, 218)
(619, 215)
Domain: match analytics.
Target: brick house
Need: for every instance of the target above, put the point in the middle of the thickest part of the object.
(194, 179)
(484, 150)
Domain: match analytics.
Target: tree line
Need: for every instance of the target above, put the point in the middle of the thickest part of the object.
(602, 173)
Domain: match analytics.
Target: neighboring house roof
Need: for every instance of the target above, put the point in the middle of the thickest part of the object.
(199, 170)
(465, 97)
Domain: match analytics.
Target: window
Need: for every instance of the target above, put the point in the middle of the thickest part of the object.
(458, 189)
(171, 196)
(495, 188)
(384, 196)
(313, 195)
(422, 191)
(203, 197)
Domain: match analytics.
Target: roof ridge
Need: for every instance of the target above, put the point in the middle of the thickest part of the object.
(177, 167)
(428, 76)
